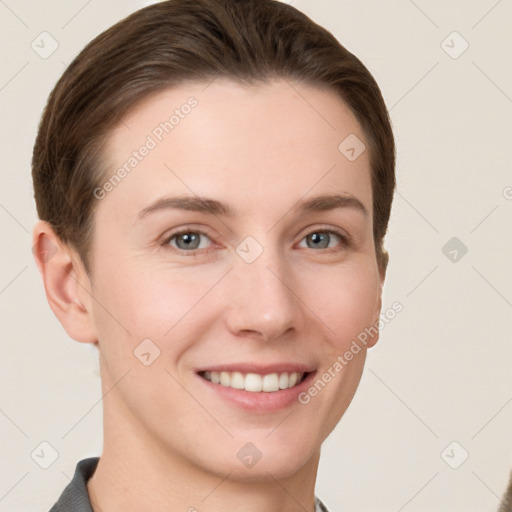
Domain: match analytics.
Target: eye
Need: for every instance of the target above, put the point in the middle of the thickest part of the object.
(190, 242)
(186, 241)
(322, 238)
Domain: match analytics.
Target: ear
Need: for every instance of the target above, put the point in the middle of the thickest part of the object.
(378, 303)
(66, 283)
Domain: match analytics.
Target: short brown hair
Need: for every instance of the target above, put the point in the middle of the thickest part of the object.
(164, 44)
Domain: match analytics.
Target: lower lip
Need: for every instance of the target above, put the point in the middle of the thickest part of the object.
(260, 402)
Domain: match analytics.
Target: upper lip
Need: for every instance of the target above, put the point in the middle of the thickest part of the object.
(262, 369)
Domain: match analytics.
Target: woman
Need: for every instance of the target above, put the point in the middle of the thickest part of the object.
(214, 181)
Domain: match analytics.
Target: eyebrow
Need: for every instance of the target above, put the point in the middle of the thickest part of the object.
(213, 207)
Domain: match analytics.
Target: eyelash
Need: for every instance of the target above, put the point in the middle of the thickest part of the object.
(345, 241)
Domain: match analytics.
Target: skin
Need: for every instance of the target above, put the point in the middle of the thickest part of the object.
(169, 442)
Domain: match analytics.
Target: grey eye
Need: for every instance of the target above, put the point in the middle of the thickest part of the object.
(322, 238)
(187, 240)
(319, 240)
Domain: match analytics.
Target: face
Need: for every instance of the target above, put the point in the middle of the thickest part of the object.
(213, 260)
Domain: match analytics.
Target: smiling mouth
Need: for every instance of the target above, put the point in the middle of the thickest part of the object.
(254, 382)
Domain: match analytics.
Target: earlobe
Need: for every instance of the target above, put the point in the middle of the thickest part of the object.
(66, 283)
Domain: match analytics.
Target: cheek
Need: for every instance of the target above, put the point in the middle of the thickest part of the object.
(137, 301)
(134, 303)
(146, 300)
(346, 301)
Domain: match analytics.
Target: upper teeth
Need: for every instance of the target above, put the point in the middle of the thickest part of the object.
(254, 381)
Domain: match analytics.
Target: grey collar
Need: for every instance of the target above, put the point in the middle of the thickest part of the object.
(75, 498)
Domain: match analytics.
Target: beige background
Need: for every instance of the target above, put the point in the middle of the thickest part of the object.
(441, 372)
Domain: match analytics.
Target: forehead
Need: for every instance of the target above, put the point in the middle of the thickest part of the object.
(252, 147)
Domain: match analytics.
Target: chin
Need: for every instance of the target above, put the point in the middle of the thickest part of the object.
(265, 471)
(264, 459)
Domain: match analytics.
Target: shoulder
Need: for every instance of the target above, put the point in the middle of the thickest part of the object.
(75, 498)
(319, 506)
(506, 503)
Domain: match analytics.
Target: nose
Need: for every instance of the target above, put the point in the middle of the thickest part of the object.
(263, 303)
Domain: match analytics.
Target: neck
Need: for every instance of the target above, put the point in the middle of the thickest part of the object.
(136, 473)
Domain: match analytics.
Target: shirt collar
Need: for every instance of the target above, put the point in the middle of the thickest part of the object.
(75, 497)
